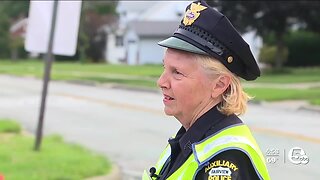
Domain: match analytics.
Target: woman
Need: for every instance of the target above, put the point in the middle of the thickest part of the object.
(201, 88)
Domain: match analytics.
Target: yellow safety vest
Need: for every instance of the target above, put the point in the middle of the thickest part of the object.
(237, 137)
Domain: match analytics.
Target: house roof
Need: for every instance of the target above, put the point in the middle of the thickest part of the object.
(19, 27)
(133, 6)
(154, 28)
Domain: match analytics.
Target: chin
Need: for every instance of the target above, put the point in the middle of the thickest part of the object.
(168, 112)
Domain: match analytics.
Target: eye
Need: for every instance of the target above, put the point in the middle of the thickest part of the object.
(177, 74)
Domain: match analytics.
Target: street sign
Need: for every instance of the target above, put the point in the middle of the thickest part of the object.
(66, 28)
(52, 29)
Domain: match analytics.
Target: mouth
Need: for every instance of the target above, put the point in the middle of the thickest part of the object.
(167, 98)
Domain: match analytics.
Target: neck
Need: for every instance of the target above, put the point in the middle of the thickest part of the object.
(188, 122)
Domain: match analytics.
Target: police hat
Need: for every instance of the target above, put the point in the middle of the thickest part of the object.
(204, 30)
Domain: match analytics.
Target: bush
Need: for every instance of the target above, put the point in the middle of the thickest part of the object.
(268, 54)
(304, 49)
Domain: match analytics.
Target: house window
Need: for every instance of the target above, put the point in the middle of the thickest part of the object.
(119, 41)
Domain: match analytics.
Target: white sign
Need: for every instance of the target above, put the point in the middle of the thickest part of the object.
(66, 28)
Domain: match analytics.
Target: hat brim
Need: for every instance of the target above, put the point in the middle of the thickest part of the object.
(176, 43)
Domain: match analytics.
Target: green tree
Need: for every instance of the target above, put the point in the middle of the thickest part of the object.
(14, 9)
(4, 40)
(10, 12)
(271, 17)
(92, 40)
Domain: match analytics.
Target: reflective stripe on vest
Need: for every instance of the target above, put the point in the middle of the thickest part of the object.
(236, 137)
(162, 160)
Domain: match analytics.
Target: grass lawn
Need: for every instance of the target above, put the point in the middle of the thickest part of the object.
(146, 76)
(291, 75)
(315, 102)
(56, 160)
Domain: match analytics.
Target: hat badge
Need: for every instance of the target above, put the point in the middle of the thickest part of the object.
(193, 13)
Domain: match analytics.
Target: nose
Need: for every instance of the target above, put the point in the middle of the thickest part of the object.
(163, 81)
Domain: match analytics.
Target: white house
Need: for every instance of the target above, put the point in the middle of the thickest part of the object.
(254, 41)
(144, 23)
(141, 25)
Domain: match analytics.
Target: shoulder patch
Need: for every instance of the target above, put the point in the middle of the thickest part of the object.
(220, 170)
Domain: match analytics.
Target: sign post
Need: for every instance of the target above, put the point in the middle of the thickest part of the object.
(57, 37)
(46, 78)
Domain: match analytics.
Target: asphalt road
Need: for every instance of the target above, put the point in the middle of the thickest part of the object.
(129, 127)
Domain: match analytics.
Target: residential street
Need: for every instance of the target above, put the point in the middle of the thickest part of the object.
(129, 127)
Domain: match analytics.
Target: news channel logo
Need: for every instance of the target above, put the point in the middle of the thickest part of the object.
(295, 155)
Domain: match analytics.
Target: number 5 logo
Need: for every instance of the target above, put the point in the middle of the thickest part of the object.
(297, 156)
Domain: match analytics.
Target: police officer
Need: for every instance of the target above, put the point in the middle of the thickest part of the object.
(204, 59)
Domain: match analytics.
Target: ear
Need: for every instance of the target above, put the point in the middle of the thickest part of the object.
(220, 85)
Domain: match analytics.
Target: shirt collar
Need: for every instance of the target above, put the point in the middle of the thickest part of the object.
(198, 130)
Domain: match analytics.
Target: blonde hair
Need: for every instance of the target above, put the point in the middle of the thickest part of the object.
(234, 99)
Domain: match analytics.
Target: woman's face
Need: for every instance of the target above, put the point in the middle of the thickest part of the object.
(185, 87)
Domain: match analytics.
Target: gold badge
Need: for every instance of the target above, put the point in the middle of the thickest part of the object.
(193, 13)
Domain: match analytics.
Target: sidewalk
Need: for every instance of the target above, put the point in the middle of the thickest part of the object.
(297, 105)
(288, 104)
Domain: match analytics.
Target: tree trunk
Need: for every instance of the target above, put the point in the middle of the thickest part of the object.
(14, 54)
